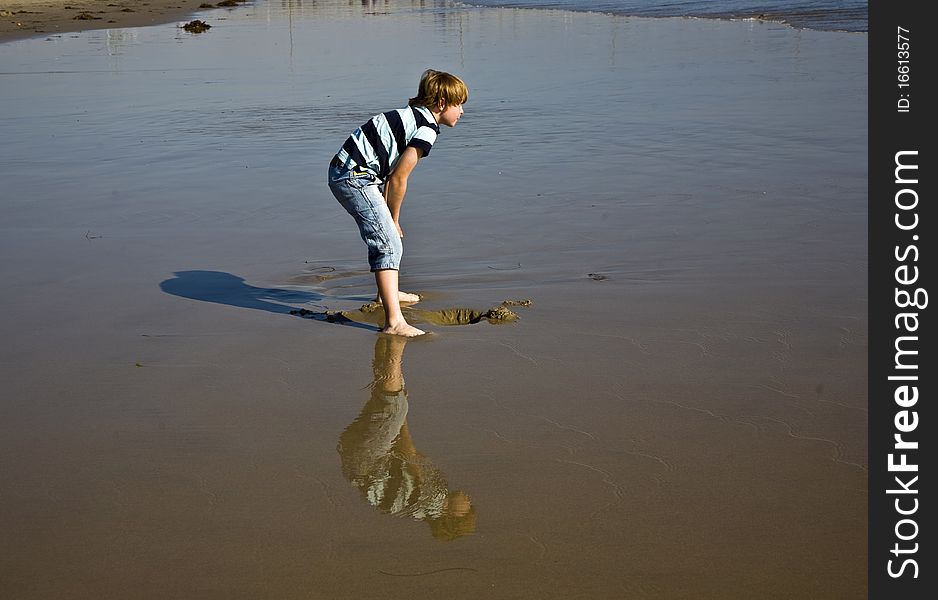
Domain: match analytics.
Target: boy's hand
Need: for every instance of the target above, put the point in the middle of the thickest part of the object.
(396, 185)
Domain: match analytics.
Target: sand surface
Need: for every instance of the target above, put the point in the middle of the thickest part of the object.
(679, 413)
(29, 18)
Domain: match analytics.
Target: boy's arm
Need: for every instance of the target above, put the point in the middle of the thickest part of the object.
(396, 186)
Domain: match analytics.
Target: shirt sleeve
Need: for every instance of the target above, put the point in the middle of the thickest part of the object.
(423, 140)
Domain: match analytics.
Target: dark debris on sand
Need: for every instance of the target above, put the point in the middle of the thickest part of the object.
(328, 316)
(196, 26)
(524, 303)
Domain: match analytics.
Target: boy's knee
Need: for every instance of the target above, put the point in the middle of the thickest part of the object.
(395, 250)
(386, 254)
(397, 246)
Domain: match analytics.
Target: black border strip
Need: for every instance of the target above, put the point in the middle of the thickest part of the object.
(901, 243)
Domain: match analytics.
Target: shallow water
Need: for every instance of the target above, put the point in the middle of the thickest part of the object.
(826, 15)
(689, 421)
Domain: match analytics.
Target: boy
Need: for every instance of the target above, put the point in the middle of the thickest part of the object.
(383, 152)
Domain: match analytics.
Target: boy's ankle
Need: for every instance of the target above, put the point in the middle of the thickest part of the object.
(395, 320)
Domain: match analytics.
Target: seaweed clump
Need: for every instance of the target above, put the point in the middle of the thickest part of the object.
(196, 26)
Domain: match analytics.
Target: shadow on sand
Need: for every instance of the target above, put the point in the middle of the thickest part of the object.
(225, 288)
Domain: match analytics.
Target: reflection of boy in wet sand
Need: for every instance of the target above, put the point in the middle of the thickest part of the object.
(383, 152)
(379, 457)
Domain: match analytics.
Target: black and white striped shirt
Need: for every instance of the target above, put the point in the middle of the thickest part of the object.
(377, 145)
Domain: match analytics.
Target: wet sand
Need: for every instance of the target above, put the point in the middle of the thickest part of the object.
(30, 18)
(679, 413)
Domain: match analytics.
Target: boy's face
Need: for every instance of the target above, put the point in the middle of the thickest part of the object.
(449, 116)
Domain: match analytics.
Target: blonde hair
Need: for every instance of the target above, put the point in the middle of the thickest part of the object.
(437, 87)
(450, 525)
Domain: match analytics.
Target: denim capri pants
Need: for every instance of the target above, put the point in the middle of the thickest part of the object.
(359, 192)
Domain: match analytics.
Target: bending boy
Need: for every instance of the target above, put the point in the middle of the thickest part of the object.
(383, 152)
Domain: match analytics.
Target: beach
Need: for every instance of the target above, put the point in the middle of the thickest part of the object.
(30, 18)
(675, 209)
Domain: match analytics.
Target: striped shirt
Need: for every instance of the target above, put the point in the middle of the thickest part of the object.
(377, 145)
(393, 477)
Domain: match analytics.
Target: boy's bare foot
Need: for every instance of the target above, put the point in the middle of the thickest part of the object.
(402, 297)
(403, 329)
